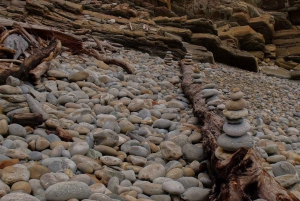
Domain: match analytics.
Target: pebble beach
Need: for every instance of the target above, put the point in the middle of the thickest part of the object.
(134, 137)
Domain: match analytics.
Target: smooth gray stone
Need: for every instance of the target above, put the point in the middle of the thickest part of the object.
(58, 166)
(35, 155)
(67, 190)
(51, 178)
(126, 146)
(52, 138)
(160, 197)
(206, 93)
(36, 107)
(287, 180)
(51, 98)
(3, 149)
(138, 151)
(173, 187)
(188, 182)
(262, 152)
(100, 196)
(195, 194)
(37, 188)
(282, 168)
(106, 137)
(192, 153)
(9, 144)
(162, 123)
(18, 196)
(236, 130)
(112, 125)
(41, 132)
(171, 164)
(234, 143)
(3, 157)
(144, 113)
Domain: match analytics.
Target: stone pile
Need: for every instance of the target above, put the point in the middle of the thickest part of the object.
(168, 58)
(211, 96)
(236, 127)
(188, 59)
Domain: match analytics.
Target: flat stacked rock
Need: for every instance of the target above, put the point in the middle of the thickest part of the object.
(236, 127)
(168, 58)
(211, 96)
(188, 59)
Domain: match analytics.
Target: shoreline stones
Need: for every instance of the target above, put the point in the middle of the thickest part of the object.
(236, 128)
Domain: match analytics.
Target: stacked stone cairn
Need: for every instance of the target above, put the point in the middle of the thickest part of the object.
(168, 58)
(236, 127)
(211, 96)
(188, 59)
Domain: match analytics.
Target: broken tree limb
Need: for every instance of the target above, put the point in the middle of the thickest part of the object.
(27, 119)
(26, 35)
(37, 72)
(7, 33)
(22, 71)
(99, 44)
(241, 175)
(72, 42)
(129, 69)
(9, 50)
(11, 60)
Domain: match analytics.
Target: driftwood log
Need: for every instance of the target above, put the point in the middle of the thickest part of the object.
(241, 176)
(27, 119)
(22, 71)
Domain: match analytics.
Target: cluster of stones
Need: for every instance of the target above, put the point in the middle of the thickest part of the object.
(168, 58)
(236, 127)
(106, 135)
(211, 96)
(188, 59)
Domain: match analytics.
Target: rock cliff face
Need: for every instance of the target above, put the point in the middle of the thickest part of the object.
(244, 33)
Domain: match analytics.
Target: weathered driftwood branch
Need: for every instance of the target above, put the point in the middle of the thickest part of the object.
(27, 119)
(22, 71)
(240, 176)
(9, 50)
(7, 33)
(26, 35)
(72, 42)
(108, 60)
(11, 60)
(99, 45)
(37, 72)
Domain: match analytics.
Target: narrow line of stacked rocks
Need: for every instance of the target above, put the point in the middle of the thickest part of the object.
(236, 127)
(211, 96)
(188, 59)
(168, 58)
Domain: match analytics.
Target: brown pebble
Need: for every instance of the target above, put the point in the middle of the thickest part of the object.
(2, 193)
(8, 162)
(235, 89)
(188, 172)
(196, 70)
(21, 186)
(235, 105)
(36, 171)
(85, 167)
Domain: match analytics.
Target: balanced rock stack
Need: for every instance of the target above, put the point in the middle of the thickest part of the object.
(188, 59)
(169, 58)
(211, 96)
(236, 127)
